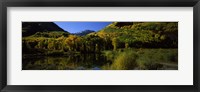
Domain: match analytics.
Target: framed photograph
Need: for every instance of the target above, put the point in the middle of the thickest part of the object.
(85, 45)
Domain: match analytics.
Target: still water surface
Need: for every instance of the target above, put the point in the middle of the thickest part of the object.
(75, 62)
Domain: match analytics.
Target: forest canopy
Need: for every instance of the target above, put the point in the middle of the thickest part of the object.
(114, 36)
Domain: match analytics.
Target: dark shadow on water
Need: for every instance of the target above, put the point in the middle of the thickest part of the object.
(76, 62)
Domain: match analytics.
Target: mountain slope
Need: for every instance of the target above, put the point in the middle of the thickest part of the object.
(84, 33)
(143, 34)
(30, 28)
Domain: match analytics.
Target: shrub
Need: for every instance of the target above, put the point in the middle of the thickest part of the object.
(125, 61)
(110, 55)
(153, 59)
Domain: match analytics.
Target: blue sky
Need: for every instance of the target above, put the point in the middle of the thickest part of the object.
(74, 27)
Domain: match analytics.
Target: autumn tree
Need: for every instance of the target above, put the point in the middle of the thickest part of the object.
(115, 43)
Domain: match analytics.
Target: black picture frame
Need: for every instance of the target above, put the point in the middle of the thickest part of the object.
(100, 3)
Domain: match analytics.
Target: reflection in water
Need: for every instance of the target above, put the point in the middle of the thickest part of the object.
(76, 62)
(136, 59)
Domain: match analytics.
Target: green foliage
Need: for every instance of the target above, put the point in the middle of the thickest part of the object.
(152, 59)
(123, 45)
(30, 28)
(115, 43)
(125, 61)
(115, 36)
(111, 55)
(146, 35)
(53, 34)
(142, 59)
(56, 41)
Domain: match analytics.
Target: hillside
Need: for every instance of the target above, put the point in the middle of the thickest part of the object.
(30, 28)
(143, 34)
(115, 36)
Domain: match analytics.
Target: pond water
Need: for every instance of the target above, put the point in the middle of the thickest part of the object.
(147, 59)
(76, 62)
